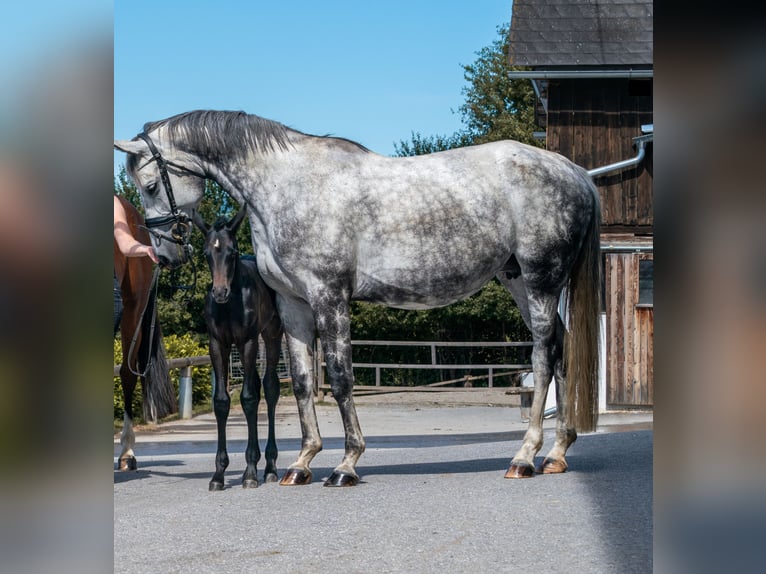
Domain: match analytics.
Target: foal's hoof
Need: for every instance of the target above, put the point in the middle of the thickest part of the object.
(342, 479)
(127, 463)
(249, 483)
(520, 470)
(296, 477)
(554, 466)
(270, 477)
(215, 486)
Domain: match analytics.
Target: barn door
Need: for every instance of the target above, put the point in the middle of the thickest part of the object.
(629, 286)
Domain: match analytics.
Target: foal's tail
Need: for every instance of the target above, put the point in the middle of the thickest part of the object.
(583, 340)
(159, 397)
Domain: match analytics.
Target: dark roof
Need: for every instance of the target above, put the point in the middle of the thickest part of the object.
(555, 33)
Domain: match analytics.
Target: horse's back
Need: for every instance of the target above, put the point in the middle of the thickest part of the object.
(445, 223)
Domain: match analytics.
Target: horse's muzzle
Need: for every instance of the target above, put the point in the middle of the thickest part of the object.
(173, 256)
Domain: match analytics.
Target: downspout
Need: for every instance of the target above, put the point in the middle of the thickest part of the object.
(640, 142)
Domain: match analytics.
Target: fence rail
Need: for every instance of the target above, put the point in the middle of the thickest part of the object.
(509, 368)
(185, 364)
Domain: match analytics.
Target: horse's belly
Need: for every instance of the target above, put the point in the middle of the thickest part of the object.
(416, 289)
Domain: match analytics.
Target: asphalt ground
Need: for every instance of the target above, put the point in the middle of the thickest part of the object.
(432, 497)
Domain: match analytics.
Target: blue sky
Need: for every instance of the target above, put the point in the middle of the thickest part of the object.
(373, 72)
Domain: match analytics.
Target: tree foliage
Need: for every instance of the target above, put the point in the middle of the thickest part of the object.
(495, 108)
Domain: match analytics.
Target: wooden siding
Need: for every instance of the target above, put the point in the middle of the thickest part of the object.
(592, 122)
(629, 334)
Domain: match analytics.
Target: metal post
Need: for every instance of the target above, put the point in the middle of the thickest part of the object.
(490, 377)
(185, 393)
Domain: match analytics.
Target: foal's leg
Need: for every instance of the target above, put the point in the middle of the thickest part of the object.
(298, 323)
(334, 325)
(273, 344)
(219, 356)
(250, 398)
(565, 432)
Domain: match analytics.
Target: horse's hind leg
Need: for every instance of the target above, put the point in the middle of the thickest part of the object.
(250, 398)
(555, 461)
(221, 403)
(271, 393)
(127, 459)
(540, 313)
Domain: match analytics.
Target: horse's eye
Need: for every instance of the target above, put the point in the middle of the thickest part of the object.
(151, 188)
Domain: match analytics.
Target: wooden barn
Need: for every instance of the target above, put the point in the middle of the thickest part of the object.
(591, 65)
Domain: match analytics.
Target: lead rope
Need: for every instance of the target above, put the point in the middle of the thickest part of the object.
(152, 285)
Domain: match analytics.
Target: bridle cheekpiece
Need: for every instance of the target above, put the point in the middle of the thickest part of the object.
(180, 230)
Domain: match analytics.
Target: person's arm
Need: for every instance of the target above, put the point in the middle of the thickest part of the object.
(128, 245)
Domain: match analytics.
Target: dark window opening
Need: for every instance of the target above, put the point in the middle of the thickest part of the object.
(640, 88)
(646, 282)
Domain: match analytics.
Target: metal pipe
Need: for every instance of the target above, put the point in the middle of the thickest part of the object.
(568, 74)
(185, 393)
(641, 142)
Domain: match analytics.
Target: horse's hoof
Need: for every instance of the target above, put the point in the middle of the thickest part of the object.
(520, 470)
(270, 477)
(554, 466)
(296, 477)
(249, 483)
(342, 479)
(127, 463)
(215, 486)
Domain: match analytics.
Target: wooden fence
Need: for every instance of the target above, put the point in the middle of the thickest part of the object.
(493, 371)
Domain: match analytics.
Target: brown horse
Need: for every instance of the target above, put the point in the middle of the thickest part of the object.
(140, 332)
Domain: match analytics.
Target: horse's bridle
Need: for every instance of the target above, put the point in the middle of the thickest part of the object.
(180, 230)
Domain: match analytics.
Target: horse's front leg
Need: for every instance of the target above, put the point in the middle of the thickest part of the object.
(219, 356)
(273, 344)
(298, 323)
(250, 398)
(334, 325)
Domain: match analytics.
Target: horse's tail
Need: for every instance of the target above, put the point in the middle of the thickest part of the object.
(583, 340)
(159, 397)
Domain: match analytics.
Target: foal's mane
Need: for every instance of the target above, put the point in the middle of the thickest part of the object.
(220, 223)
(228, 134)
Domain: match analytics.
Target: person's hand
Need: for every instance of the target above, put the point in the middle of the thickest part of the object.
(149, 252)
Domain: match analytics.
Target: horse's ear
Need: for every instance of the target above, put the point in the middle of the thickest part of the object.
(131, 146)
(236, 221)
(199, 222)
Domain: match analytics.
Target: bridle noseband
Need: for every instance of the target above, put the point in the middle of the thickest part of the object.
(180, 230)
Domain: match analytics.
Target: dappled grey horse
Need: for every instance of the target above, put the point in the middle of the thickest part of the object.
(240, 307)
(332, 221)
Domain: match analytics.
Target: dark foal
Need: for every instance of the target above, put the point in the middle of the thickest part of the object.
(238, 308)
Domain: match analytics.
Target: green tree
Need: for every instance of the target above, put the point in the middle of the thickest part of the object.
(496, 107)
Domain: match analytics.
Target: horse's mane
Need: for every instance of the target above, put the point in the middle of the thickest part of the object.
(228, 134)
(217, 134)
